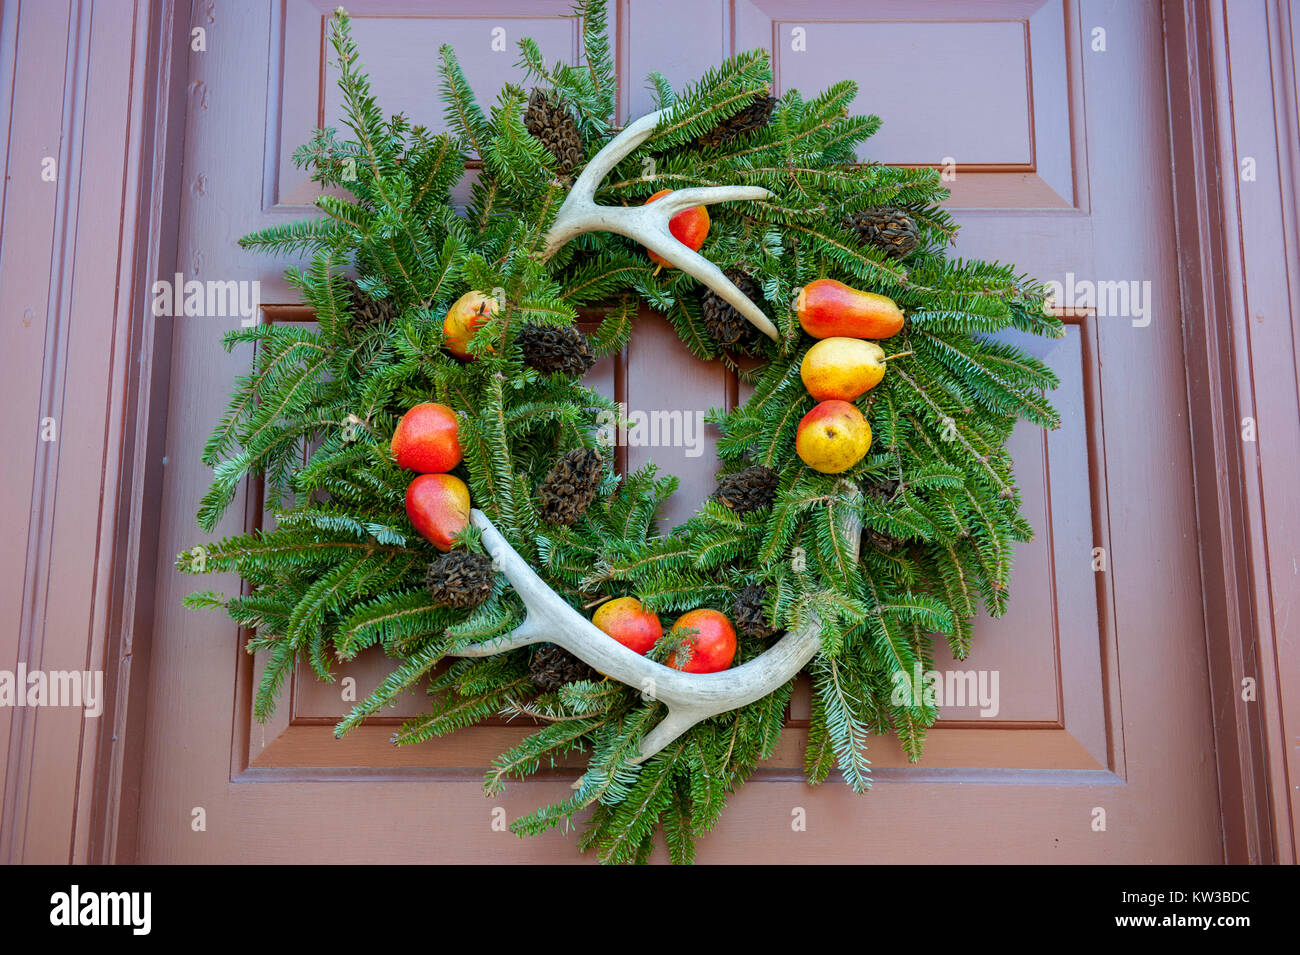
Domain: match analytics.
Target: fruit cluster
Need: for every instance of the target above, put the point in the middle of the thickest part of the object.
(706, 637)
(427, 441)
(437, 503)
(845, 364)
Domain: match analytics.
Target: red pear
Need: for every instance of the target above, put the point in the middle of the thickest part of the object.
(425, 440)
(438, 506)
(713, 646)
(831, 309)
(629, 623)
(689, 227)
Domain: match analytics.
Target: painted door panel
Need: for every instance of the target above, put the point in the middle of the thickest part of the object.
(1103, 701)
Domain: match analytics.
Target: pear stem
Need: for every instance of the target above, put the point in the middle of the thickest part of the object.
(901, 354)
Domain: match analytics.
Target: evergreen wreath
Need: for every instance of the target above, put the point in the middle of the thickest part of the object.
(344, 569)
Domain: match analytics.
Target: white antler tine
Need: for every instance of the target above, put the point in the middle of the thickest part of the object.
(698, 267)
(681, 199)
(648, 224)
(613, 153)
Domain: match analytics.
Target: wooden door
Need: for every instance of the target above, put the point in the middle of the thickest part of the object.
(1101, 748)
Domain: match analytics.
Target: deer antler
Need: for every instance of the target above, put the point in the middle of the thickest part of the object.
(648, 224)
(690, 697)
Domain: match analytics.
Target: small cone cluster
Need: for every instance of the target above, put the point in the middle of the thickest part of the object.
(725, 324)
(888, 228)
(551, 667)
(548, 120)
(570, 486)
(368, 312)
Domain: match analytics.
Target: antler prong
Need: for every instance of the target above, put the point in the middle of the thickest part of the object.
(648, 224)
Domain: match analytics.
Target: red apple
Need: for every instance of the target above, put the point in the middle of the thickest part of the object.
(713, 646)
(629, 623)
(689, 227)
(438, 506)
(425, 439)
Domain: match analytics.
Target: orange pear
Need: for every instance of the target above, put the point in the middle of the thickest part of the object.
(827, 308)
(464, 318)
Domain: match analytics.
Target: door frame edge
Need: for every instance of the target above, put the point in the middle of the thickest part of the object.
(156, 196)
(1230, 499)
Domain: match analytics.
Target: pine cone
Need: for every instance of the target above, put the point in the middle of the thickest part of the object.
(727, 326)
(881, 490)
(753, 116)
(551, 667)
(748, 490)
(748, 615)
(460, 578)
(556, 350)
(547, 119)
(878, 541)
(367, 312)
(887, 228)
(570, 486)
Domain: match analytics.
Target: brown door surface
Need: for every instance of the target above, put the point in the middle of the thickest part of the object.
(1051, 117)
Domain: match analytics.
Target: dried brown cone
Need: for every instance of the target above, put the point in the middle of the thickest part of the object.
(881, 490)
(727, 326)
(460, 578)
(366, 311)
(553, 349)
(888, 228)
(551, 667)
(754, 116)
(878, 541)
(547, 120)
(748, 490)
(570, 486)
(748, 615)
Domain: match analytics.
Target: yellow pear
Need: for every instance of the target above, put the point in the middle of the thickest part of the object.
(464, 318)
(842, 368)
(832, 437)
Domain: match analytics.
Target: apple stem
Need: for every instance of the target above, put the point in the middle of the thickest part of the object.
(901, 354)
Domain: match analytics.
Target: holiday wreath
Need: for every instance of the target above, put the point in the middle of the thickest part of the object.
(439, 480)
